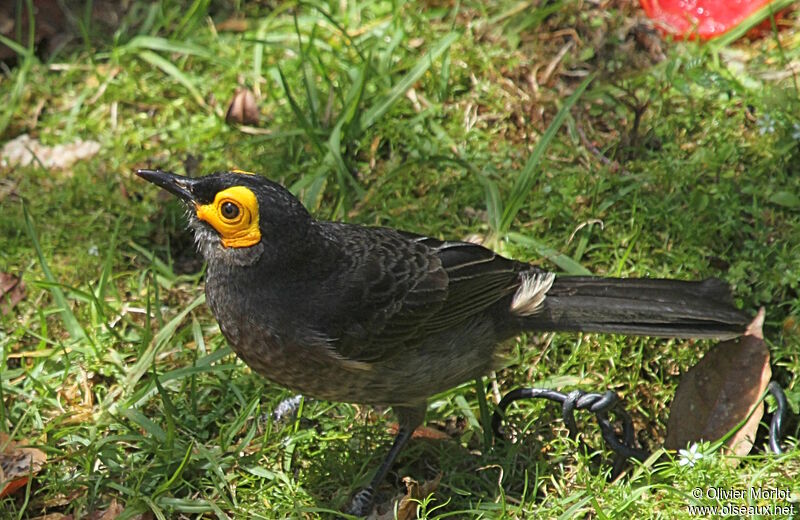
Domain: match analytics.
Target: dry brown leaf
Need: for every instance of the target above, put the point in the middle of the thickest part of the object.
(60, 499)
(12, 291)
(790, 326)
(243, 109)
(406, 504)
(17, 463)
(53, 516)
(720, 391)
(233, 25)
(114, 510)
(422, 432)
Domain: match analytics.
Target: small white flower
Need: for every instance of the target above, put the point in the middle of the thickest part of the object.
(796, 131)
(690, 457)
(94, 251)
(766, 124)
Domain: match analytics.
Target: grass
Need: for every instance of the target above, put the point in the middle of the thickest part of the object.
(420, 116)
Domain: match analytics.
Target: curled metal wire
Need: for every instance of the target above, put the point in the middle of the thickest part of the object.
(778, 418)
(623, 446)
(600, 405)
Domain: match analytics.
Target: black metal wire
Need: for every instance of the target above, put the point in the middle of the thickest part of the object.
(624, 446)
(778, 418)
(599, 404)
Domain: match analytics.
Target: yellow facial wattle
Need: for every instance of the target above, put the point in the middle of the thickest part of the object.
(234, 215)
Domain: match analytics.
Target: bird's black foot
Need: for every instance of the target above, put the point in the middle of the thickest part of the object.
(361, 503)
(409, 418)
(599, 404)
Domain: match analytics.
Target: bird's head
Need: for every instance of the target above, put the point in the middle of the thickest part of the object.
(236, 216)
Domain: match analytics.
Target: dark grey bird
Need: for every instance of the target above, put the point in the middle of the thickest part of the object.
(379, 316)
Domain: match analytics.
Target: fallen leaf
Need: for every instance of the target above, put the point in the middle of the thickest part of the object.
(233, 25)
(17, 463)
(23, 150)
(790, 326)
(243, 109)
(114, 510)
(12, 291)
(53, 516)
(720, 391)
(423, 432)
(60, 499)
(406, 504)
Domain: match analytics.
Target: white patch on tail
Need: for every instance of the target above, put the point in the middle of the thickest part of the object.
(531, 293)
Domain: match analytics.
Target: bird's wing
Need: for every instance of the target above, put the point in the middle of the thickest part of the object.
(399, 286)
(477, 278)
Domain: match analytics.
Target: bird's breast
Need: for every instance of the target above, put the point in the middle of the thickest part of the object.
(276, 341)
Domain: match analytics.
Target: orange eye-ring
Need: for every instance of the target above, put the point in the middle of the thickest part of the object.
(234, 215)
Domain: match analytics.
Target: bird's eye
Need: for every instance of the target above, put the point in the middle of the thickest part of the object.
(229, 210)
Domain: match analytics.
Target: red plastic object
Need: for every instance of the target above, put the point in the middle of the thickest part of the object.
(705, 19)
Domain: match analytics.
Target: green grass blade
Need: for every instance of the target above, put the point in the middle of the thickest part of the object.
(352, 101)
(567, 264)
(344, 177)
(312, 99)
(260, 39)
(158, 44)
(194, 14)
(170, 412)
(307, 125)
(158, 342)
(71, 323)
(169, 68)
(401, 87)
(527, 177)
(164, 486)
(146, 424)
(11, 100)
(161, 268)
(217, 470)
(105, 274)
(576, 508)
(21, 51)
(494, 203)
(751, 21)
(309, 188)
(342, 31)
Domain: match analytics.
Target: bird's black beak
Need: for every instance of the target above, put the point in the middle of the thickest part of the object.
(176, 184)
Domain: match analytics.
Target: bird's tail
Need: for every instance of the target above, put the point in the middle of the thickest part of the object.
(638, 306)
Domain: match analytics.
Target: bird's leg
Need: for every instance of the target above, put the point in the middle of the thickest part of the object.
(408, 418)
